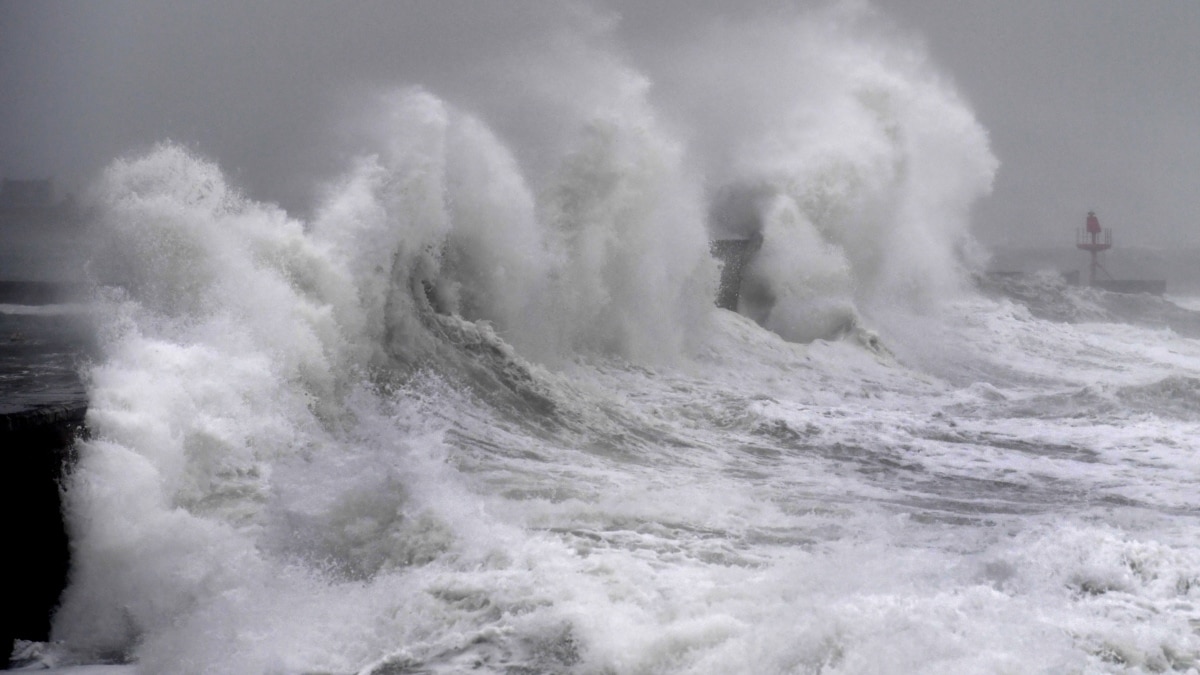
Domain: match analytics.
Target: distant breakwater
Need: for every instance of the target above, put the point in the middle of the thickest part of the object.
(39, 292)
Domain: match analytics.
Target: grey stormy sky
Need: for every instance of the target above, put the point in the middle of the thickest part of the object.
(1090, 104)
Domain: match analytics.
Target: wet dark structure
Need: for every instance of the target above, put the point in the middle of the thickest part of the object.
(735, 255)
(37, 444)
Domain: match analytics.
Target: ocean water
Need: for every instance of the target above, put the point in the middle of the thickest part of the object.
(42, 348)
(469, 416)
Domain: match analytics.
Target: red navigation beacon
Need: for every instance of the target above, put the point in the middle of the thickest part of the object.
(1094, 239)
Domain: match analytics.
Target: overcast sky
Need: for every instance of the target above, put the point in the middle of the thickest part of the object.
(1090, 104)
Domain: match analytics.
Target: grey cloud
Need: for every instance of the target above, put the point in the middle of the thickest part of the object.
(1089, 104)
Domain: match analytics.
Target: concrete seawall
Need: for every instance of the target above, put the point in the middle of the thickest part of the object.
(38, 445)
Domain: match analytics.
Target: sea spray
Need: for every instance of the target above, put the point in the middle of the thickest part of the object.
(183, 249)
(247, 348)
(639, 277)
(216, 366)
(439, 215)
(858, 161)
(625, 207)
(611, 257)
(250, 496)
(800, 285)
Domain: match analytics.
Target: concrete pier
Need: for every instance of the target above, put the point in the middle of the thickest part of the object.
(37, 446)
